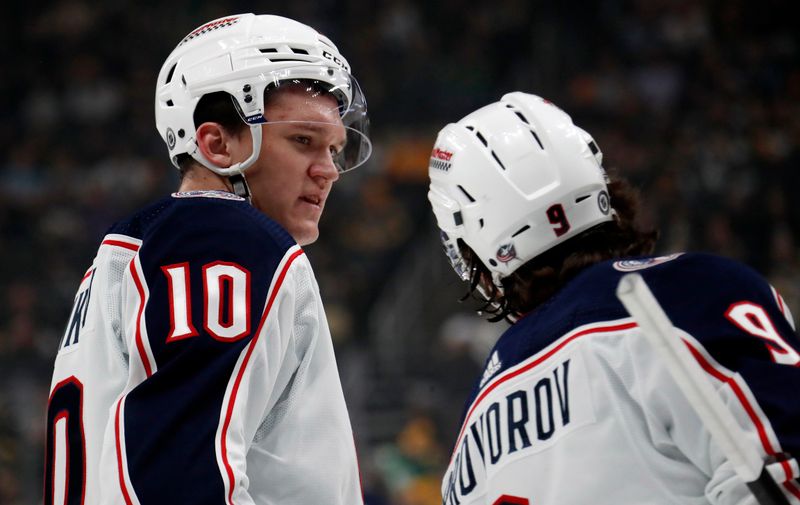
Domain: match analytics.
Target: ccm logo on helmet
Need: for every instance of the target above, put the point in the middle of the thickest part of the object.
(336, 60)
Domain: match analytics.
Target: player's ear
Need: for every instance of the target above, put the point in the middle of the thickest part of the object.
(220, 146)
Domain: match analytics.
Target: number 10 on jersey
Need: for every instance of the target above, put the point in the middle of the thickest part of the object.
(226, 301)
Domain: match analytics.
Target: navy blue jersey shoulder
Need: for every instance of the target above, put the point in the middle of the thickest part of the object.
(210, 214)
(694, 289)
(191, 236)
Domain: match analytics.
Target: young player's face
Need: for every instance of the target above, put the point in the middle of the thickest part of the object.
(293, 175)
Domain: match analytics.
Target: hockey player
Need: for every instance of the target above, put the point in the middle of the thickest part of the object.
(575, 407)
(197, 366)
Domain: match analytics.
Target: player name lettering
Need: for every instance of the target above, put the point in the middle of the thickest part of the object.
(532, 414)
(80, 310)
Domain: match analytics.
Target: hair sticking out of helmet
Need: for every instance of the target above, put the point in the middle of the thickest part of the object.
(245, 56)
(514, 179)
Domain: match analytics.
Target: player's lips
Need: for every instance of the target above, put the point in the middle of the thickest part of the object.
(316, 200)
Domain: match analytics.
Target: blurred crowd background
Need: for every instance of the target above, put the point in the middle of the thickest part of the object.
(697, 102)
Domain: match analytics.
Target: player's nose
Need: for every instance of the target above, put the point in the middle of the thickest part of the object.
(323, 167)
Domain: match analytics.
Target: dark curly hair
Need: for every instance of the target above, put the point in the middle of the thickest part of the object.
(540, 278)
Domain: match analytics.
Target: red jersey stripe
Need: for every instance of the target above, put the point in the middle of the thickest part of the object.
(117, 423)
(139, 343)
(120, 243)
(530, 366)
(237, 382)
(748, 407)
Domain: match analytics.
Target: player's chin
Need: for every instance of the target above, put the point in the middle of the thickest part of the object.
(306, 233)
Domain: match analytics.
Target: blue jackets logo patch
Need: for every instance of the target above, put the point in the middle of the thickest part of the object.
(506, 253)
(639, 264)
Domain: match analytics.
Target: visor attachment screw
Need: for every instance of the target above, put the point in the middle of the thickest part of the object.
(248, 98)
(246, 88)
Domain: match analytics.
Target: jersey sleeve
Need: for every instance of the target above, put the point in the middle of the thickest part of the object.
(741, 334)
(208, 316)
(306, 435)
(266, 368)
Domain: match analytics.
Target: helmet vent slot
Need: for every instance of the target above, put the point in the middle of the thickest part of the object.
(480, 222)
(481, 138)
(274, 50)
(458, 218)
(277, 60)
(494, 155)
(582, 198)
(594, 147)
(465, 193)
(169, 75)
(537, 139)
(169, 103)
(526, 227)
(523, 118)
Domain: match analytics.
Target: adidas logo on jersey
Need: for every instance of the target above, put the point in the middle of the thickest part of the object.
(491, 368)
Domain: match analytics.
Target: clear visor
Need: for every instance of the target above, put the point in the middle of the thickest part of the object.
(323, 107)
(321, 141)
(454, 255)
(459, 264)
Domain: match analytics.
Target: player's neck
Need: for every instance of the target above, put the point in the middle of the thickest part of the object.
(200, 179)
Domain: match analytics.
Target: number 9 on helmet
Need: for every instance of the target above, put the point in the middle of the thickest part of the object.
(512, 180)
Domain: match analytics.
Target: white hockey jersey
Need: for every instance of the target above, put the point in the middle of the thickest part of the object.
(577, 409)
(197, 367)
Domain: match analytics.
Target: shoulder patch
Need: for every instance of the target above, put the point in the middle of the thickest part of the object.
(640, 264)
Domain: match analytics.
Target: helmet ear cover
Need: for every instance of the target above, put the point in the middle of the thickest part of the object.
(218, 107)
(244, 56)
(513, 180)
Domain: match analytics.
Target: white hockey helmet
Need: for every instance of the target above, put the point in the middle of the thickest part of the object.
(244, 55)
(512, 180)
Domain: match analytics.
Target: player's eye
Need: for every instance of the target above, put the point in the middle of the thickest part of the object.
(302, 139)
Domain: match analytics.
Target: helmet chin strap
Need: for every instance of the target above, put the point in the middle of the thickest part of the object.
(235, 172)
(240, 187)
